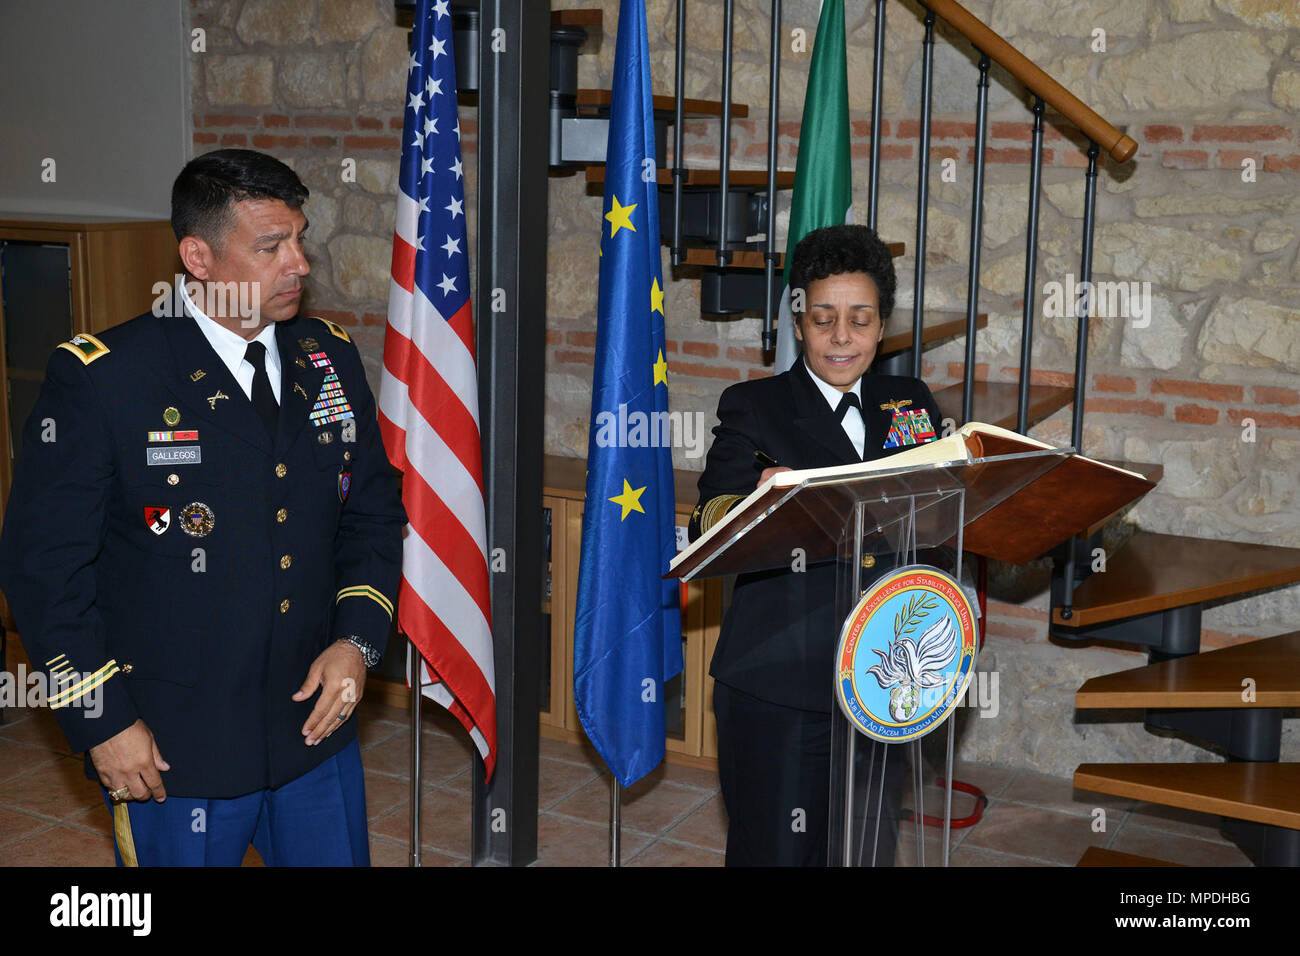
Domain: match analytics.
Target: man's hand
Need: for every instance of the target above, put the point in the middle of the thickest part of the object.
(340, 672)
(131, 759)
(769, 472)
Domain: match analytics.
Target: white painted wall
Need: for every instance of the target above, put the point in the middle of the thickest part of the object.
(102, 88)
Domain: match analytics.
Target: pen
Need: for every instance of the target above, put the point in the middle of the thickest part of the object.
(764, 459)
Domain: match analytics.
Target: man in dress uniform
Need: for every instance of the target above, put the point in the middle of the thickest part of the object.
(204, 540)
(773, 665)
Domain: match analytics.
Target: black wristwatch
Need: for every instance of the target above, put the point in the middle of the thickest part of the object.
(372, 656)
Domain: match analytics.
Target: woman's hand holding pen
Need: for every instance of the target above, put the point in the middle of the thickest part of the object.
(772, 468)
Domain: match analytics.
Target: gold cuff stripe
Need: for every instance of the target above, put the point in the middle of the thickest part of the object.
(85, 347)
(54, 660)
(716, 508)
(365, 590)
(122, 834)
(65, 697)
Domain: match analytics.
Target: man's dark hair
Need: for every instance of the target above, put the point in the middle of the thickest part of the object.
(206, 190)
(833, 250)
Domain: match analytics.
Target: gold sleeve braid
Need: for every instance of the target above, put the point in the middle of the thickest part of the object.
(716, 508)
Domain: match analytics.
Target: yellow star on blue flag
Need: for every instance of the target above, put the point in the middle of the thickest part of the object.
(627, 636)
(620, 217)
(629, 500)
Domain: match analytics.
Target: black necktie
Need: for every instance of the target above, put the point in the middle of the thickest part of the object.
(263, 397)
(847, 401)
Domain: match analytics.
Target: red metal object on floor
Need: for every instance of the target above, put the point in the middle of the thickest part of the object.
(958, 823)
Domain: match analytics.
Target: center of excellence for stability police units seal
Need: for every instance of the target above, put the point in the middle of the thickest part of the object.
(906, 654)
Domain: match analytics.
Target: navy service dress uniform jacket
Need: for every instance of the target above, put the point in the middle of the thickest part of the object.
(777, 641)
(191, 579)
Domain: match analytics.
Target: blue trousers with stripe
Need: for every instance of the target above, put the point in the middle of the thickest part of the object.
(318, 819)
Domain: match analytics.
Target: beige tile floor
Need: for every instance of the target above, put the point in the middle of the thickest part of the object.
(50, 815)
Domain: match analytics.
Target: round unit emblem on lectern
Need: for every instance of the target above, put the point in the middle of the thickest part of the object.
(906, 654)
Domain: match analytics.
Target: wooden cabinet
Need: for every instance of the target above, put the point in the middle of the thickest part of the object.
(692, 736)
(60, 276)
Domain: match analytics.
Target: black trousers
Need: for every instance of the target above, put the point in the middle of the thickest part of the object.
(774, 765)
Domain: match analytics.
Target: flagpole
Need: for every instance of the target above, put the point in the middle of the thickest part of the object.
(615, 823)
(415, 664)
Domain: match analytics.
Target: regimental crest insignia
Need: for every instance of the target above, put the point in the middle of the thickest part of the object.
(909, 427)
(345, 484)
(157, 519)
(906, 655)
(197, 519)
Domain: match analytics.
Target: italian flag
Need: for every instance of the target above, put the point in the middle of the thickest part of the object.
(823, 177)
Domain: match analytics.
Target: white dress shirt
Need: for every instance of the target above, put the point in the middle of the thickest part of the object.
(853, 423)
(230, 346)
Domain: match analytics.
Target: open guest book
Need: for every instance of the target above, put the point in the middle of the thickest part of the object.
(1022, 497)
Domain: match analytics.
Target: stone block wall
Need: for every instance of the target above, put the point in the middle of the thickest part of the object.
(1208, 213)
(321, 85)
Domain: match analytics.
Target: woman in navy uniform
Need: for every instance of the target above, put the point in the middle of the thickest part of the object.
(772, 668)
(203, 544)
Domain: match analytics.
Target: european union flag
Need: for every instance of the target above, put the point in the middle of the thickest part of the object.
(627, 635)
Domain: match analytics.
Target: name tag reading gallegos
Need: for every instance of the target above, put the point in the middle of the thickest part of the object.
(174, 455)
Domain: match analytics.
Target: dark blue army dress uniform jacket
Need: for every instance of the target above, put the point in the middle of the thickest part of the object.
(161, 550)
(777, 641)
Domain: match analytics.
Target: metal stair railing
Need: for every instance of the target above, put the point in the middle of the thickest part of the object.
(1044, 90)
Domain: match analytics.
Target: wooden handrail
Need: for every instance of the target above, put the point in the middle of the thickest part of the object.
(1120, 146)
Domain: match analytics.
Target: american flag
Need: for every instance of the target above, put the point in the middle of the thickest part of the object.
(428, 397)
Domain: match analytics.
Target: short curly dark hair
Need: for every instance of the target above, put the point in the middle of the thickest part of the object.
(833, 250)
(206, 190)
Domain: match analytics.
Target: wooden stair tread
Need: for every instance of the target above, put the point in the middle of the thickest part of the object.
(1212, 679)
(753, 258)
(592, 102)
(1262, 792)
(1155, 572)
(935, 326)
(709, 177)
(995, 402)
(1097, 856)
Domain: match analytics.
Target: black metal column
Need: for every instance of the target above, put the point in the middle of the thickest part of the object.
(877, 88)
(512, 141)
(770, 256)
(922, 190)
(1031, 269)
(976, 238)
